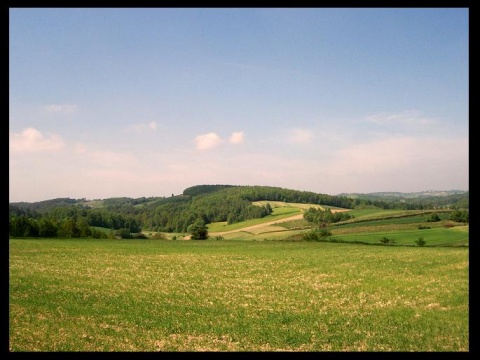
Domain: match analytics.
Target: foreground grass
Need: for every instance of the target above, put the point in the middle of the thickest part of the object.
(134, 295)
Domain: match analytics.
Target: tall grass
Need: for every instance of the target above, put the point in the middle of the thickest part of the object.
(147, 295)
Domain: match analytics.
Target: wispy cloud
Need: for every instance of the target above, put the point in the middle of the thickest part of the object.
(401, 155)
(236, 137)
(106, 158)
(407, 117)
(80, 148)
(301, 136)
(61, 108)
(207, 141)
(139, 128)
(33, 141)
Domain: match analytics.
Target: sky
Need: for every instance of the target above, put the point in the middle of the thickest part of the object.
(141, 102)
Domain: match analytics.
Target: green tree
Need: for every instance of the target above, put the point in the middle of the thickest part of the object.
(21, 226)
(268, 208)
(459, 216)
(46, 228)
(83, 228)
(68, 229)
(198, 230)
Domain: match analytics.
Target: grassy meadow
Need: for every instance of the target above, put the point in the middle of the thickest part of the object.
(221, 295)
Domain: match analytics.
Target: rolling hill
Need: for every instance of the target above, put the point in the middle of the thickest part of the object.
(210, 205)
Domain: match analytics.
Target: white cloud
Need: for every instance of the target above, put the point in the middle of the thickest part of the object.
(207, 141)
(61, 108)
(31, 140)
(301, 136)
(236, 137)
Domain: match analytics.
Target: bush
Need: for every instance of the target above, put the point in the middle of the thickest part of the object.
(386, 241)
(420, 241)
(98, 234)
(123, 233)
(139, 236)
(159, 236)
(433, 218)
(460, 216)
(317, 235)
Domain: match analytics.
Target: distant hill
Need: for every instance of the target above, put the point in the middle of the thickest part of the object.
(251, 193)
(219, 203)
(404, 195)
(415, 200)
(200, 203)
(25, 208)
(204, 189)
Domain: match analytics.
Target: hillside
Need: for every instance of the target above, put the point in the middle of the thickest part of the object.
(200, 204)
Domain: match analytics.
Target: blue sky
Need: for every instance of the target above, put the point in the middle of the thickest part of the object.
(147, 102)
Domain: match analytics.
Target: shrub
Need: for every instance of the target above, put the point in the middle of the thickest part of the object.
(139, 236)
(460, 216)
(123, 233)
(317, 235)
(98, 234)
(159, 236)
(420, 241)
(386, 241)
(433, 218)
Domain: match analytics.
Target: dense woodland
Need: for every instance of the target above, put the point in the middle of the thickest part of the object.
(199, 205)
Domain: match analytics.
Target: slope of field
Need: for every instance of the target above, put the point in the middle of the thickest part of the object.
(401, 227)
(271, 226)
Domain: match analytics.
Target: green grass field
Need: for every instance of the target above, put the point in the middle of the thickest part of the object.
(367, 226)
(163, 295)
(455, 236)
(279, 213)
